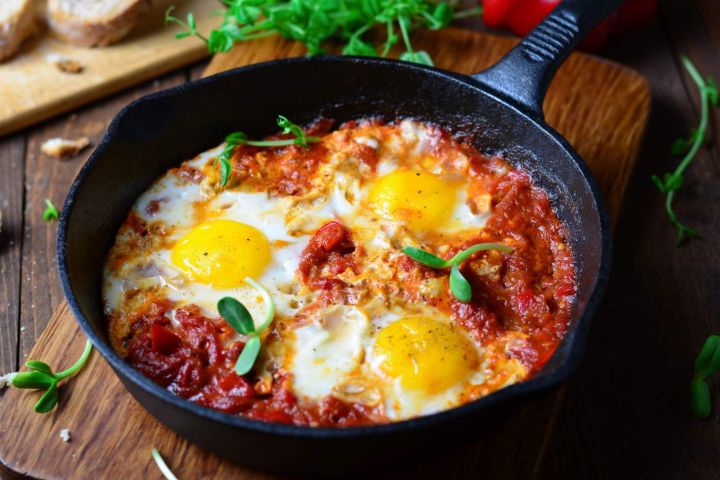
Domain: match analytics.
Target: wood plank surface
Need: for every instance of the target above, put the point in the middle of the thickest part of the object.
(12, 155)
(599, 106)
(33, 89)
(627, 410)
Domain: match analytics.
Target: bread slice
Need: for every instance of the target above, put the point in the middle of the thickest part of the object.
(94, 23)
(17, 22)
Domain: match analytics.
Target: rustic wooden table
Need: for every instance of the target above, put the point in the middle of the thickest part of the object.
(626, 411)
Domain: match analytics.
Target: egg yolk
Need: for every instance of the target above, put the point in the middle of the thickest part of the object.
(420, 200)
(425, 354)
(222, 253)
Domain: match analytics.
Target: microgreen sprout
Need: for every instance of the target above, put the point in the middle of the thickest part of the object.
(240, 138)
(706, 364)
(459, 286)
(190, 26)
(41, 377)
(671, 182)
(316, 22)
(239, 318)
(164, 469)
(51, 212)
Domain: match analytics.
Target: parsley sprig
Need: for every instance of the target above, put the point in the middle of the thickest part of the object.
(706, 364)
(459, 286)
(315, 22)
(671, 182)
(240, 138)
(41, 377)
(240, 319)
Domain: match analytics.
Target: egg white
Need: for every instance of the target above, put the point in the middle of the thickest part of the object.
(328, 349)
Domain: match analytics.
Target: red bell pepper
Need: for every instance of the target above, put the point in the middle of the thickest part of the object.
(521, 16)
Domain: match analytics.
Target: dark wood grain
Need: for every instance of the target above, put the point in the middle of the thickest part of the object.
(606, 127)
(12, 153)
(627, 411)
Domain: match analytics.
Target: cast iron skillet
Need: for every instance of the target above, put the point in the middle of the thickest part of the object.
(501, 108)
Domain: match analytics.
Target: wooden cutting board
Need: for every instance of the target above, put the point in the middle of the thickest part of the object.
(33, 89)
(600, 107)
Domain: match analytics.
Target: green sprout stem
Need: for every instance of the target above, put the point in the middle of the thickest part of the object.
(698, 139)
(707, 363)
(189, 26)
(468, 252)
(240, 138)
(279, 143)
(41, 377)
(402, 21)
(51, 212)
(269, 304)
(77, 365)
(671, 182)
(160, 462)
(459, 286)
(391, 39)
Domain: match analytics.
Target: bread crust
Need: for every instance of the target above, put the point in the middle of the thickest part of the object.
(16, 29)
(97, 33)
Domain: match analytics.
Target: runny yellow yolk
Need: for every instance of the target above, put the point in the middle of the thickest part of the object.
(425, 354)
(222, 253)
(420, 200)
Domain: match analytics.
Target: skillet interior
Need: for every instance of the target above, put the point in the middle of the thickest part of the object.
(161, 130)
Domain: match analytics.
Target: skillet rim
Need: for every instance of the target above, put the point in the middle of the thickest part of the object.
(576, 339)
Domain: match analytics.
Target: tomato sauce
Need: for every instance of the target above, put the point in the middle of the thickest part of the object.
(193, 361)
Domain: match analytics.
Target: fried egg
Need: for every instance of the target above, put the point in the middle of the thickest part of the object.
(207, 245)
(425, 364)
(407, 363)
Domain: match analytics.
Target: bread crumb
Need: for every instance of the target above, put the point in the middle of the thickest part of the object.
(65, 64)
(62, 147)
(65, 435)
(6, 380)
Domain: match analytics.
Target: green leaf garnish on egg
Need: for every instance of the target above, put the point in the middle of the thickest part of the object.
(236, 315)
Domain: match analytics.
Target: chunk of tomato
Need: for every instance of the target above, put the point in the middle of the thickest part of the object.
(163, 340)
(330, 236)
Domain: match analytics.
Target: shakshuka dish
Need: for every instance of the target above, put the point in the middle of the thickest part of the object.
(345, 275)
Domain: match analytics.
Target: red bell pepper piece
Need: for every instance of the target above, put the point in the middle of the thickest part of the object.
(521, 16)
(163, 340)
(330, 236)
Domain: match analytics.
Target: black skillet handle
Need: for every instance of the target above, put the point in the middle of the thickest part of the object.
(523, 75)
